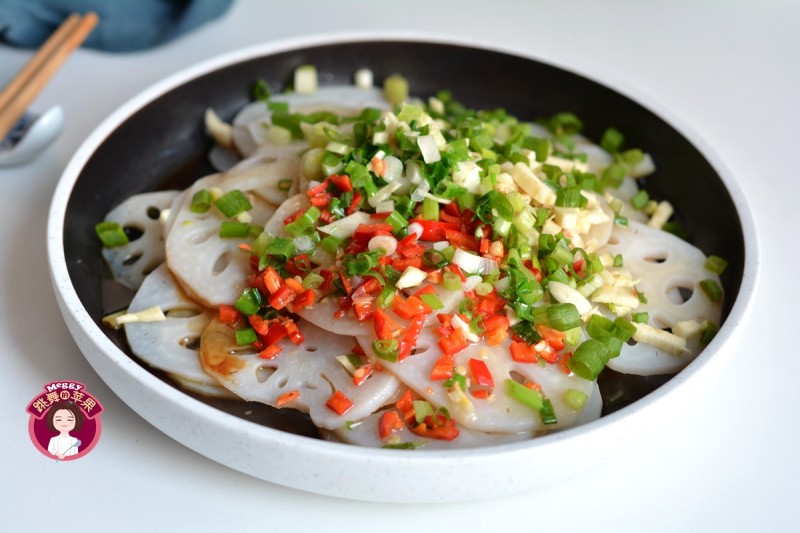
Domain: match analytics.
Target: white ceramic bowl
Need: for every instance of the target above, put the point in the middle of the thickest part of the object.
(149, 122)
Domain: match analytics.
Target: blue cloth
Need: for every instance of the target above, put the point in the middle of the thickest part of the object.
(125, 25)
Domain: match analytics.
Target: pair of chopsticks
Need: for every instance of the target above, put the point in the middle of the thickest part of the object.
(25, 87)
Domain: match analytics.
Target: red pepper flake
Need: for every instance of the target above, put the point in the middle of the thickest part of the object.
(354, 204)
(270, 351)
(228, 314)
(342, 182)
(339, 403)
(389, 422)
(521, 352)
(287, 397)
(480, 372)
(409, 340)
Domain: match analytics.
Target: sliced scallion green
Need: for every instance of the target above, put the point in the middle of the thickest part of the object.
(527, 397)
(249, 302)
(612, 140)
(111, 234)
(712, 289)
(430, 209)
(246, 336)
(716, 264)
(386, 349)
(575, 399)
(232, 230)
(432, 301)
(397, 221)
(547, 413)
(232, 203)
(589, 359)
(201, 201)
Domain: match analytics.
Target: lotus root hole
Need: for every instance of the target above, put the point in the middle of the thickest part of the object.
(263, 373)
(420, 349)
(201, 237)
(679, 295)
(221, 263)
(153, 212)
(191, 343)
(133, 232)
(131, 259)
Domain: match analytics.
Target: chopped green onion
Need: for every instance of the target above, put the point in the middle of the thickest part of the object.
(620, 220)
(201, 201)
(312, 280)
(575, 399)
(547, 413)
(563, 316)
(386, 296)
(623, 330)
(303, 223)
(632, 157)
(561, 254)
(614, 345)
(640, 199)
(612, 140)
(395, 89)
(483, 289)
(229, 230)
(716, 264)
(708, 333)
(246, 336)
(403, 445)
(232, 203)
(712, 289)
(261, 90)
(111, 234)
(618, 260)
(422, 410)
(528, 397)
(430, 209)
(386, 349)
(493, 204)
(331, 243)
(249, 302)
(281, 247)
(526, 332)
(613, 176)
(278, 106)
(640, 318)
(571, 197)
(457, 378)
(432, 301)
(397, 221)
(284, 185)
(451, 281)
(467, 201)
(589, 359)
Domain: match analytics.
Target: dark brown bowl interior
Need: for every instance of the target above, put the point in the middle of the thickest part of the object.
(163, 146)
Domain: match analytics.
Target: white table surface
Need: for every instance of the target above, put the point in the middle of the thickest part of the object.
(729, 69)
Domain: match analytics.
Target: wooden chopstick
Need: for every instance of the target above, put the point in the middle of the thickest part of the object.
(28, 83)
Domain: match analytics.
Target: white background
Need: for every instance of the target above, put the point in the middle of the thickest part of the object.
(728, 69)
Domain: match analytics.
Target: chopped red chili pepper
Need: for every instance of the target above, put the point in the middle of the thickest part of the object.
(342, 182)
(228, 314)
(389, 422)
(480, 372)
(409, 340)
(339, 403)
(270, 351)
